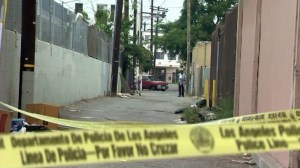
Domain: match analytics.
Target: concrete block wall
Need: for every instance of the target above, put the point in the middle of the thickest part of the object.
(10, 67)
(63, 76)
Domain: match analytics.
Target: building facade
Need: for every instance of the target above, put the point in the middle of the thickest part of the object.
(267, 65)
(200, 67)
(165, 63)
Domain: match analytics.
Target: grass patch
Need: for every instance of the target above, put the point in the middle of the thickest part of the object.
(224, 108)
(191, 115)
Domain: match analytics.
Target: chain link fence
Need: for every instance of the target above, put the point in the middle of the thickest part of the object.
(58, 25)
(13, 15)
(99, 44)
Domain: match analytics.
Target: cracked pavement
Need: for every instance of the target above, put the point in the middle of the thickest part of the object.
(151, 107)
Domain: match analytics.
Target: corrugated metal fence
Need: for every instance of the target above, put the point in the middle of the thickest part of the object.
(224, 55)
(200, 76)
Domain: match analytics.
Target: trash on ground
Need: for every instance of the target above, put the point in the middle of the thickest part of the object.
(43, 109)
(17, 124)
(203, 114)
(123, 95)
(6, 120)
(202, 103)
(209, 116)
(249, 162)
(195, 106)
(179, 111)
(36, 128)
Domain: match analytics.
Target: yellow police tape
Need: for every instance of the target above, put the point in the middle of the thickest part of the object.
(268, 117)
(124, 141)
(282, 116)
(144, 143)
(74, 123)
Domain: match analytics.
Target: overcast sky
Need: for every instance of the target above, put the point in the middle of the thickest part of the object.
(174, 6)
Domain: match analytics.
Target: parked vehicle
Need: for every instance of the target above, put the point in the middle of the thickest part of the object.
(152, 83)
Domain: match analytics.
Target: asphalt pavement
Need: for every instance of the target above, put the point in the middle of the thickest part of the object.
(151, 106)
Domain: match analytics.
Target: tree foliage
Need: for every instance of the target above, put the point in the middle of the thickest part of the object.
(143, 56)
(102, 20)
(85, 16)
(205, 15)
(131, 51)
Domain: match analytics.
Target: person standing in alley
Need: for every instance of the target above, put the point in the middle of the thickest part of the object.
(181, 83)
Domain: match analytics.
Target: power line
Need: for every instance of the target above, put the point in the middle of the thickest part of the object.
(170, 6)
(162, 3)
(69, 7)
(70, 1)
(174, 7)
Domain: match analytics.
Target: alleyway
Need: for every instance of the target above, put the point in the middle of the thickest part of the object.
(154, 107)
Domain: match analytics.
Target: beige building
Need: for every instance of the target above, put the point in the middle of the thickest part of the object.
(200, 67)
(201, 54)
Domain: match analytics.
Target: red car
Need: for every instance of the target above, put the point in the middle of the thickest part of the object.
(152, 83)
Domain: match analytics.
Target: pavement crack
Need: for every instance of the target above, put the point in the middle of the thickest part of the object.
(147, 110)
(109, 119)
(159, 111)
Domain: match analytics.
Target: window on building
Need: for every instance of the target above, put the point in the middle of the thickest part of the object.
(160, 55)
(171, 56)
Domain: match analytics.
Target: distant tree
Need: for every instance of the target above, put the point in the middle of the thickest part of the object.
(205, 15)
(143, 56)
(85, 16)
(131, 51)
(103, 21)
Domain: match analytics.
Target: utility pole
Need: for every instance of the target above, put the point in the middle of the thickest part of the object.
(125, 72)
(126, 17)
(116, 47)
(218, 55)
(158, 15)
(151, 39)
(188, 45)
(27, 58)
(141, 23)
(134, 35)
(155, 46)
(134, 21)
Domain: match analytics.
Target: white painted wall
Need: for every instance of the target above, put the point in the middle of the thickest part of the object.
(63, 76)
(10, 67)
(166, 62)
